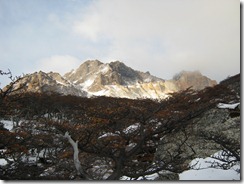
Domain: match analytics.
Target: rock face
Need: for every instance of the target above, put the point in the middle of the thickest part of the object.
(108, 74)
(41, 82)
(194, 79)
(118, 80)
(198, 139)
(167, 176)
(115, 79)
(214, 122)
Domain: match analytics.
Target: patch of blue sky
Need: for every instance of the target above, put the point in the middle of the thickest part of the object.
(40, 24)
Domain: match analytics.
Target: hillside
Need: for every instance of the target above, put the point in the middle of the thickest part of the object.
(117, 138)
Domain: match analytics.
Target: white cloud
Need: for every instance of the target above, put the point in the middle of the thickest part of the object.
(160, 36)
(166, 36)
(58, 63)
(87, 30)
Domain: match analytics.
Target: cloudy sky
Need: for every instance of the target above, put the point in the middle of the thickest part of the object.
(160, 36)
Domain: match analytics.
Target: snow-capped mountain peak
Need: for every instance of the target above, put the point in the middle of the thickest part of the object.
(108, 74)
(115, 79)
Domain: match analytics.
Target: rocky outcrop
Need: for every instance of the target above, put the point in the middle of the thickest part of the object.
(192, 140)
(85, 71)
(233, 83)
(41, 82)
(167, 176)
(216, 129)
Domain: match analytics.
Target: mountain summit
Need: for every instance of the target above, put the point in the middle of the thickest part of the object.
(108, 74)
(194, 79)
(115, 79)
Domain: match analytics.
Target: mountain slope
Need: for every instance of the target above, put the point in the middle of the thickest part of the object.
(41, 82)
(193, 79)
(115, 79)
(118, 80)
(108, 74)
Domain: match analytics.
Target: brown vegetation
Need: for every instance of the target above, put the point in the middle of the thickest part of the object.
(100, 125)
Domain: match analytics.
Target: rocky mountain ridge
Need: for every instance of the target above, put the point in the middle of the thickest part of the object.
(42, 82)
(115, 79)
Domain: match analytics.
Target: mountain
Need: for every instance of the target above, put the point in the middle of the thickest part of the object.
(41, 82)
(118, 80)
(115, 79)
(193, 79)
(108, 74)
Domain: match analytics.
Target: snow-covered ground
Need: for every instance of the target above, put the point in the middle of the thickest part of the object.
(210, 174)
(7, 124)
(203, 171)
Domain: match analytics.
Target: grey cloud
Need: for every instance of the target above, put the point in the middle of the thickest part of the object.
(194, 35)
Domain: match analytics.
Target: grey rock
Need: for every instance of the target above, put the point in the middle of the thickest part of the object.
(168, 176)
(191, 141)
(41, 82)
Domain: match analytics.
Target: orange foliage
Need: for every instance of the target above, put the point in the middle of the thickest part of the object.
(66, 154)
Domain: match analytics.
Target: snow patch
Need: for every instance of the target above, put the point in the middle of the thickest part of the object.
(73, 71)
(3, 162)
(99, 93)
(227, 106)
(104, 69)
(210, 174)
(7, 124)
(201, 170)
(87, 83)
(131, 128)
(149, 79)
(147, 177)
(197, 99)
(109, 134)
(130, 146)
(59, 82)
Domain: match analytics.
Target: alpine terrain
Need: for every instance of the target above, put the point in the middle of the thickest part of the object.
(50, 130)
(115, 79)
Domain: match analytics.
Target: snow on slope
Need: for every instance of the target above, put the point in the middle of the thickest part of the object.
(202, 171)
